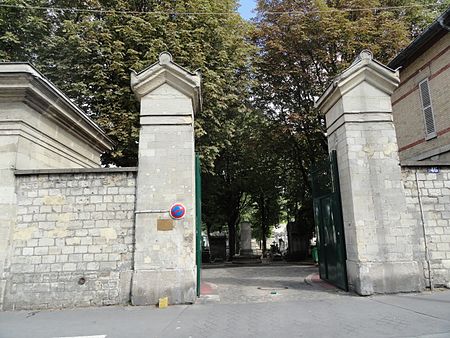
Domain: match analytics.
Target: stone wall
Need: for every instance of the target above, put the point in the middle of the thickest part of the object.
(73, 242)
(428, 198)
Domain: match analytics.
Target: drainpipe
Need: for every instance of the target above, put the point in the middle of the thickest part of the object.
(422, 218)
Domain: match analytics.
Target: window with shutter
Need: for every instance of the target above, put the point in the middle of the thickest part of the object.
(430, 127)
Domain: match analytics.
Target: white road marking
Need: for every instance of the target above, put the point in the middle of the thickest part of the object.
(98, 336)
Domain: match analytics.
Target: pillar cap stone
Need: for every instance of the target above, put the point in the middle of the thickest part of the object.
(167, 71)
(363, 68)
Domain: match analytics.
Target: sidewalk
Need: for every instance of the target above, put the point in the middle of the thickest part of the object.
(405, 315)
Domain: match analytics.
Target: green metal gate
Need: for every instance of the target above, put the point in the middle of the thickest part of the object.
(329, 223)
(198, 218)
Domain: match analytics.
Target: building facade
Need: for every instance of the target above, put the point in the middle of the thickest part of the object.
(421, 105)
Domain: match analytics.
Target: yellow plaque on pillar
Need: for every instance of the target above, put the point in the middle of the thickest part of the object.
(164, 224)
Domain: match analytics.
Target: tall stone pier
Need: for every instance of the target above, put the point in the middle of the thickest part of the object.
(379, 235)
(164, 261)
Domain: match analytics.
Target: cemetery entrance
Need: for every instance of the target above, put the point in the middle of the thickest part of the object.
(329, 224)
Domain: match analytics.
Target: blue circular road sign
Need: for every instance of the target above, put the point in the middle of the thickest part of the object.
(177, 211)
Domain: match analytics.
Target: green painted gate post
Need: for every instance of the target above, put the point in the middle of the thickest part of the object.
(198, 219)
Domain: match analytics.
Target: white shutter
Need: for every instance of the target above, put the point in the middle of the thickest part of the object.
(430, 127)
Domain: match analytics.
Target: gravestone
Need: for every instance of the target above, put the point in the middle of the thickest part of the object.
(246, 254)
(246, 239)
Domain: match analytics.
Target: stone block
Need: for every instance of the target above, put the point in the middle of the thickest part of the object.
(41, 250)
(67, 249)
(86, 241)
(96, 199)
(101, 257)
(69, 267)
(75, 257)
(367, 278)
(46, 242)
(177, 285)
(53, 250)
(108, 265)
(56, 267)
(81, 249)
(73, 241)
(49, 259)
(88, 257)
(27, 251)
(94, 249)
(113, 191)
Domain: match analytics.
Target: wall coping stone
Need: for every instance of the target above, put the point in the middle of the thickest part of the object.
(74, 171)
(22, 80)
(424, 164)
(363, 68)
(167, 71)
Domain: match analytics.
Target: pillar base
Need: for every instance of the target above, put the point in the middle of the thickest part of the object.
(247, 258)
(150, 285)
(367, 278)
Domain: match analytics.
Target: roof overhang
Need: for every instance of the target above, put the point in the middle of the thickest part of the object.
(433, 33)
(21, 81)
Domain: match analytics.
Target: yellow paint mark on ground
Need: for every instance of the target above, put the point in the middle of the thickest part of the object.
(163, 302)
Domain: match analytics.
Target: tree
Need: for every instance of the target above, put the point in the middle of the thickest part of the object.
(303, 45)
(22, 30)
(264, 177)
(89, 54)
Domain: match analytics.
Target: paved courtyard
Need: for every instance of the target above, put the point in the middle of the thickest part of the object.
(279, 281)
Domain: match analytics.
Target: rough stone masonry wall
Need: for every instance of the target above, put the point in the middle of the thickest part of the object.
(73, 241)
(434, 189)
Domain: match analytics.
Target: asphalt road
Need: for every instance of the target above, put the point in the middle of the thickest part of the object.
(308, 311)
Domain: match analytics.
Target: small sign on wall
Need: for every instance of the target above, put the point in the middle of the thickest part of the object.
(164, 224)
(177, 211)
(433, 170)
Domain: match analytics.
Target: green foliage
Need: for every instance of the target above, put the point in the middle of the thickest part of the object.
(89, 56)
(259, 134)
(299, 55)
(21, 31)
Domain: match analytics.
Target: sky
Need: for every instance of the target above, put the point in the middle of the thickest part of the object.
(246, 8)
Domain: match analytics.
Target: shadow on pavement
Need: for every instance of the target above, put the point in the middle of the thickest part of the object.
(280, 281)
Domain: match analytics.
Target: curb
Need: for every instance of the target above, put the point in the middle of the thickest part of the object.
(208, 293)
(314, 280)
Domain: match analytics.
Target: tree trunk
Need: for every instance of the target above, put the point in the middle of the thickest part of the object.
(262, 210)
(233, 220)
(264, 242)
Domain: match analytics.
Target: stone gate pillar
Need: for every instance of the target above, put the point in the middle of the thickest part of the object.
(378, 232)
(164, 261)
